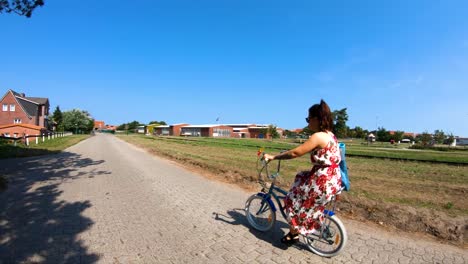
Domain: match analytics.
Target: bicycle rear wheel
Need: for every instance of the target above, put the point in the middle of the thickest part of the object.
(259, 213)
(332, 240)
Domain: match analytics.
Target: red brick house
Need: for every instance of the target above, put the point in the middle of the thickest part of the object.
(98, 125)
(23, 115)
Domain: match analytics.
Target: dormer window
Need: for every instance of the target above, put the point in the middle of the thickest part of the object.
(12, 107)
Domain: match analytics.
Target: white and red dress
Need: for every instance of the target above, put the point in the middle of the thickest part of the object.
(313, 189)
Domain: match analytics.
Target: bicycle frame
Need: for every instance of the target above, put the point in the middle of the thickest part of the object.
(274, 190)
(327, 242)
(272, 193)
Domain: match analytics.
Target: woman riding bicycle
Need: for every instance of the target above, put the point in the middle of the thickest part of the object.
(313, 189)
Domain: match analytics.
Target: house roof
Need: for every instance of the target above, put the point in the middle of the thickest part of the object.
(179, 124)
(29, 104)
(38, 100)
(240, 125)
(202, 126)
(29, 107)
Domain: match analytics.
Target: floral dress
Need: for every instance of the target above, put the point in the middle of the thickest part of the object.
(313, 189)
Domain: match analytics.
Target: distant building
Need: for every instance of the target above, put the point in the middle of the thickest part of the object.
(150, 128)
(461, 141)
(111, 127)
(215, 130)
(206, 131)
(169, 130)
(141, 129)
(240, 130)
(98, 125)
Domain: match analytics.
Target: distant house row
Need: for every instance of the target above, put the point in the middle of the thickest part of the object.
(214, 130)
(100, 125)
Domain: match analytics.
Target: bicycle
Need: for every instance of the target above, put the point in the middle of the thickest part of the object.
(261, 214)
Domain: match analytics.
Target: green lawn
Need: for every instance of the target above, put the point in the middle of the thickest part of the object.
(355, 148)
(8, 150)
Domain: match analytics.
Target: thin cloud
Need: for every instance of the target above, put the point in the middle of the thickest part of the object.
(407, 83)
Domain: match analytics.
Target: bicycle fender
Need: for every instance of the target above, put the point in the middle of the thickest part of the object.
(270, 202)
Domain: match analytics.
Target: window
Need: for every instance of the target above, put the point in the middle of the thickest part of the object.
(221, 132)
(17, 121)
(7, 134)
(5, 107)
(12, 107)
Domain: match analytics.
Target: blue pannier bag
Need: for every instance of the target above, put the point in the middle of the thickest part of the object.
(344, 170)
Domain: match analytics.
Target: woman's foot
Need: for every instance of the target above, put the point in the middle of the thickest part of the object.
(290, 239)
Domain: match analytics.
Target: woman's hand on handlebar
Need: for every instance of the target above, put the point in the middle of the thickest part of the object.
(268, 157)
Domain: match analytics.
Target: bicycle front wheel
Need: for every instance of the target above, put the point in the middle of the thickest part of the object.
(259, 213)
(331, 241)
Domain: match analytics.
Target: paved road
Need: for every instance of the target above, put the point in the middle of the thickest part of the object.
(105, 201)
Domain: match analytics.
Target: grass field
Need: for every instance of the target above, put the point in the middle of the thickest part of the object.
(8, 150)
(376, 183)
(354, 148)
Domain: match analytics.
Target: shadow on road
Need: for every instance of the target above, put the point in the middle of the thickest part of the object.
(237, 217)
(35, 224)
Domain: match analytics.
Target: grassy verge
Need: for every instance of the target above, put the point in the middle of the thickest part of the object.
(436, 191)
(43, 148)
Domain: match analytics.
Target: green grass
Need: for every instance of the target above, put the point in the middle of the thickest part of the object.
(409, 154)
(376, 150)
(8, 150)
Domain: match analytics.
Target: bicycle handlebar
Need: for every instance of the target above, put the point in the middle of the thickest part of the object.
(265, 163)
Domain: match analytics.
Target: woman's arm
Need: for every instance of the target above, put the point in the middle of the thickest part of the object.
(315, 141)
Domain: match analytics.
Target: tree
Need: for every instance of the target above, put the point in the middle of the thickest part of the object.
(397, 136)
(339, 119)
(306, 131)
(133, 125)
(20, 7)
(57, 117)
(273, 132)
(162, 123)
(425, 138)
(130, 126)
(290, 134)
(77, 120)
(383, 135)
(450, 139)
(360, 133)
(439, 136)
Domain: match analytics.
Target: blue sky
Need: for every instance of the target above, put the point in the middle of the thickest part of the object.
(401, 65)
